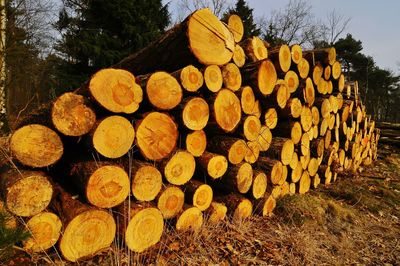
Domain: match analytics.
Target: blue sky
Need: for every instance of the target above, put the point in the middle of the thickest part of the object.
(375, 23)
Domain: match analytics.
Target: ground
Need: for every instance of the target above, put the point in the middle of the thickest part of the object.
(353, 221)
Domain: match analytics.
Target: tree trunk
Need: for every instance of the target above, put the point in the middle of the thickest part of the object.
(198, 194)
(233, 149)
(214, 165)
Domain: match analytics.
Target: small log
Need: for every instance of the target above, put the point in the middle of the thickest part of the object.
(36, 146)
(216, 212)
(233, 149)
(271, 118)
(250, 128)
(292, 109)
(291, 130)
(252, 152)
(306, 118)
(264, 139)
(162, 89)
(296, 173)
(260, 182)
(72, 115)
(324, 106)
(213, 78)
(146, 180)
(292, 81)
(303, 68)
(156, 136)
(312, 167)
(208, 43)
(325, 55)
(327, 72)
(235, 25)
(141, 225)
(189, 77)
(170, 201)
(25, 193)
(336, 70)
(281, 149)
(87, 230)
(261, 75)
(231, 77)
(317, 147)
(44, 229)
(266, 205)
(226, 110)
(239, 208)
(190, 219)
(317, 72)
(112, 136)
(179, 168)
(254, 49)
(315, 115)
(305, 144)
(297, 53)
(273, 168)
(295, 161)
(247, 99)
(239, 57)
(281, 56)
(195, 113)
(304, 183)
(104, 184)
(238, 178)
(198, 194)
(315, 181)
(115, 90)
(196, 142)
(308, 92)
(214, 165)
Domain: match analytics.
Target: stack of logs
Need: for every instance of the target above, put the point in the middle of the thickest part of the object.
(210, 126)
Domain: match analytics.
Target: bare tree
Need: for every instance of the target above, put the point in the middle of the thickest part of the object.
(336, 24)
(219, 7)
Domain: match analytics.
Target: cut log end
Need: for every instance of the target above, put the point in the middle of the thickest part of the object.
(44, 229)
(264, 139)
(146, 183)
(292, 81)
(243, 210)
(227, 110)
(116, 90)
(231, 77)
(87, 234)
(269, 206)
(217, 166)
(303, 68)
(144, 229)
(113, 137)
(156, 136)
(244, 178)
(202, 197)
(285, 58)
(163, 91)
(196, 142)
(191, 78)
(190, 219)
(195, 113)
(71, 116)
(259, 185)
(271, 118)
(213, 78)
(251, 127)
(108, 186)
(170, 201)
(247, 100)
(180, 168)
(253, 151)
(267, 77)
(297, 53)
(237, 152)
(235, 25)
(287, 152)
(36, 146)
(216, 212)
(239, 57)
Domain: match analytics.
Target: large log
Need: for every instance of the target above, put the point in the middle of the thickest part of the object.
(261, 75)
(146, 179)
(86, 230)
(104, 184)
(226, 110)
(25, 193)
(179, 168)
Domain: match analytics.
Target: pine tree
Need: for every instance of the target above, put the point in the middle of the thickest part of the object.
(97, 33)
(246, 13)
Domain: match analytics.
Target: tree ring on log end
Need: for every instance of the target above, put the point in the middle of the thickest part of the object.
(190, 219)
(163, 91)
(267, 77)
(180, 168)
(243, 210)
(202, 197)
(195, 113)
(170, 201)
(146, 184)
(227, 110)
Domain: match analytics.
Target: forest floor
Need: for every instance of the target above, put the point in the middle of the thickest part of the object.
(355, 220)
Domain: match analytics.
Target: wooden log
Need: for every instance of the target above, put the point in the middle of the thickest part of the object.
(252, 152)
(239, 57)
(233, 149)
(25, 193)
(115, 90)
(86, 230)
(213, 78)
(44, 230)
(297, 53)
(141, 225)
(285, 189)
(315, 115)
(72, 115)
(281, 149)
(189, 77)
(271, 118)
(304, 183)
(254, 49)
(324, 106)
(216, 212)
(315, 181)
(292, 81)
(209, 43)
(341, 82)
(294, 162)
(291, 130)
(281, 56)
(214, 165)
(280, 94)
(317, 147)
(235, 25)
(305, 144)
(179, 168)
(196, 142)
(239, 208)
(327, 72)
(36, 146)
(312, 167)
(266, 205)
(264, 139)
(103, 184)
(296, 173)
(259, 186)
(195, 113)
(112, 136)
(190, 219)
(261, 75)
(231, 77)
(325, 55)
(238, 178)
(257, 109)
(273, 168)
(226, 110)
(308, 92)
(247, 99)
(317, 73)
(303, 68)
(10, 221)
(306, 118)
(292, 109)
(162, 90)
(336, 70)
(250, 128)
(198, 194)
(156, 136)
(170, 201)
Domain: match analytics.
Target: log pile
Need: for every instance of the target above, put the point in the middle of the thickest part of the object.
(200, 125)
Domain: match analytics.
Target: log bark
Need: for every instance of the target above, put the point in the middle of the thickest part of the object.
(214, 165)
(254, 49)
(190, 78)
(198, 194)
(261, 75)
(233, 149)
(239, 208)
(201, 37)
